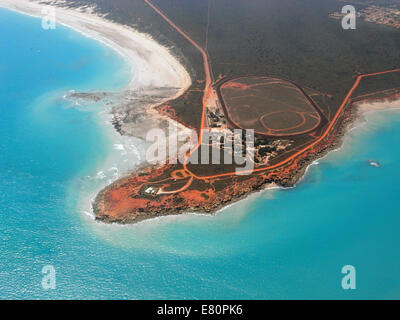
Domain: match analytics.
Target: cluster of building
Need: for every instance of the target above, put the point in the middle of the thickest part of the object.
(263, 151)
(375, 14)
(382, 15)
(266, 150)
(339, 15)
(215, 119)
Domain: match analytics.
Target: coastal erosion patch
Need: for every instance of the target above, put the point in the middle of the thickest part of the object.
(131, 109)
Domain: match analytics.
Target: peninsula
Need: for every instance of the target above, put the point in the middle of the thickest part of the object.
(296, 81)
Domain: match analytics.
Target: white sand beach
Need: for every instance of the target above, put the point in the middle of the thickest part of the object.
(155, 71)
(376, 106)
(153, 64)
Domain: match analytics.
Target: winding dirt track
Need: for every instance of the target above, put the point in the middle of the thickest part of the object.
(208, 90)
(268, 131)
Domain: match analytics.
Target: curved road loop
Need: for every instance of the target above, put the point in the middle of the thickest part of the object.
(206, 97)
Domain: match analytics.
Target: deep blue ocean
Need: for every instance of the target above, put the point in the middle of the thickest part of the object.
(55, 154)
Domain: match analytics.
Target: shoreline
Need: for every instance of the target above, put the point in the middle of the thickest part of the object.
(156, 75)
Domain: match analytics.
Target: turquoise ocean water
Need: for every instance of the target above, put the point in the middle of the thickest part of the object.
(277, 244)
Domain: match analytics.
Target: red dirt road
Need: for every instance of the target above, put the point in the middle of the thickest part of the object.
(206, 96)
